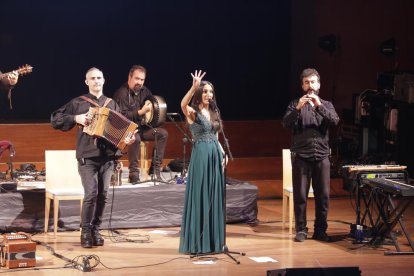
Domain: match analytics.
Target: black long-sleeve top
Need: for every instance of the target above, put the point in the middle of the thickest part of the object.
(86, 146)
(130, 102)
(310, 129)
(5, 94)
(4, 84)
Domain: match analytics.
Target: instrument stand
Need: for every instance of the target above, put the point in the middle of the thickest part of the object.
(365, 218)
(389, 216)
(360, 195)
(185, 139)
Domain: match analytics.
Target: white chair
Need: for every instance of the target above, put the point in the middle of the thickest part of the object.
(63, 182)
(288, 189)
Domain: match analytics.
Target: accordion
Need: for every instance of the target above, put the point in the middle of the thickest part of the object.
(110, 125)
(18, 251)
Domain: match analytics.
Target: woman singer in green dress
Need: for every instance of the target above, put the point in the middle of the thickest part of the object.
(202, 227)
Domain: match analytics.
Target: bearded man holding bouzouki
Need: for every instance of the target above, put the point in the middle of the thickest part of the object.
(7, 82)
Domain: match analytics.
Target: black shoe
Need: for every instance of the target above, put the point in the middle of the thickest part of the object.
(301, 236)
(97, 239)
(321, 236)
(134, 177)
(86, 238)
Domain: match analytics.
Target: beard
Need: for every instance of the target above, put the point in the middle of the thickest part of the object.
(312, 91)
(137, 88)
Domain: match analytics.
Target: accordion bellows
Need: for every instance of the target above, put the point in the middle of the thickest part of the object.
(110, 125)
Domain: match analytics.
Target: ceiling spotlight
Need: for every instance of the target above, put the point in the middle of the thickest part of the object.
(328, 43)
(389, 47)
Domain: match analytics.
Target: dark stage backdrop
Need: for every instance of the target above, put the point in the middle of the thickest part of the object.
(243, 45)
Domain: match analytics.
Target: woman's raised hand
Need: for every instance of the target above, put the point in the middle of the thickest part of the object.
(197, 77)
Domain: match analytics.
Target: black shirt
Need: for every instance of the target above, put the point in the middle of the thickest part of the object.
(4, 84)
(5, 94)
(130, 102)
(86, 146)
(310, 129)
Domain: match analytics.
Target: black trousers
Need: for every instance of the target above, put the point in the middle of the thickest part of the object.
(96, 175)
(318, 173)
(159, 135)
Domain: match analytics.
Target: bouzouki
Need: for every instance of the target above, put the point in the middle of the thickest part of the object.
(23, 70)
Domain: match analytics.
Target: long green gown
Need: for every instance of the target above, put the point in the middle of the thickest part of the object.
(202, 227)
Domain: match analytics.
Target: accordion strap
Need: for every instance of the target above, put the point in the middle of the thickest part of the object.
(108, 100)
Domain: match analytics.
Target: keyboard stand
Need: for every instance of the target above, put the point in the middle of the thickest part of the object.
(363, 213)
(390, 214)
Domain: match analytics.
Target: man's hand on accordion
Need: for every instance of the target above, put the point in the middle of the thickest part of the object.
(130, 137)
(83, 119)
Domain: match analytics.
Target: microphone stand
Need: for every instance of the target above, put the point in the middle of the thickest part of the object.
(225, 248)
(154, 154)
(11, 155)
(185, 139)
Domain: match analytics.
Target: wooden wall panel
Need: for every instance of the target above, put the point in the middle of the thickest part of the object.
(247, 139)
(256, 147)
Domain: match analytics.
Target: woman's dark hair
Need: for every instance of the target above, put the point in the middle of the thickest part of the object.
(196, 101)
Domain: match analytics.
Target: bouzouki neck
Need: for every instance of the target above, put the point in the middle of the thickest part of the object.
(23, 70)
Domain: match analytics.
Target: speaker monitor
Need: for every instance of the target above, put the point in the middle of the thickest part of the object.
(316, 271)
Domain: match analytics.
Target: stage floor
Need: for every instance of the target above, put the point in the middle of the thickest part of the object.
(160, 255)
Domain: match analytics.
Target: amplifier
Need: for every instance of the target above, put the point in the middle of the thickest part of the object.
(18, 251)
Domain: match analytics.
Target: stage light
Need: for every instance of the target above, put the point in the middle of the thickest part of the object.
(389, 47)
(328, 43)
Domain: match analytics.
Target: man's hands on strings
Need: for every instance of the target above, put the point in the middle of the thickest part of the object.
(13, 77)
(146, 108)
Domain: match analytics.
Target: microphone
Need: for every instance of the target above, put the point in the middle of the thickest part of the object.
(213, 104)
(171, 116)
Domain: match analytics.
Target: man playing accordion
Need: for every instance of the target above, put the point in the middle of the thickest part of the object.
(96, 156)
